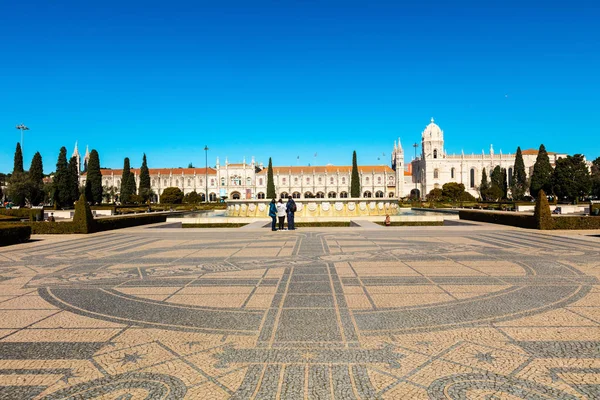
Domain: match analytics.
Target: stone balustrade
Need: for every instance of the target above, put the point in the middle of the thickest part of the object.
(312, 208)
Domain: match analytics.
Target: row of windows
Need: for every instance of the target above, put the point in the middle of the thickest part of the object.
(330, 195)
(237, 181)
(472, 181)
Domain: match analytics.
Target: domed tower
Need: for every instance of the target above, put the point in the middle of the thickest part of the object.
(432, 159)
(432, 141)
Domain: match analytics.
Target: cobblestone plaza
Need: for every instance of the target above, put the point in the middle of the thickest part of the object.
(455, 312)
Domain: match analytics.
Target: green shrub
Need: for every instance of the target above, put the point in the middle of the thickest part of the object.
(7, 218)
(13, 233)
(83, 218)
(595, 209)
(541, 213)
(518, 220)
(172, 195)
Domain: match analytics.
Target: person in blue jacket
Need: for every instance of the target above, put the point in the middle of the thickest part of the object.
(273, 214)
(290, 210)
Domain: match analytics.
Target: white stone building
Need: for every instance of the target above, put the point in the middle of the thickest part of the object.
(434, 167)
(431, 169)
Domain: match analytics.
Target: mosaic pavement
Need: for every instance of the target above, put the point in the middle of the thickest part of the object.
(476, 312)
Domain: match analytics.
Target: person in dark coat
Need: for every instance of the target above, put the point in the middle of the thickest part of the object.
(290, 209)
(273, 214)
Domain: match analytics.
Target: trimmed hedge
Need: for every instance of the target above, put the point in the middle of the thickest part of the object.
(14, 233)
(412, 223)
(33, 214)
(99, 225)
(501, 218)
(216, 225)
(107, 224)
(575, 222)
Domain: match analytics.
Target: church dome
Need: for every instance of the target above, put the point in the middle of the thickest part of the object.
(432, 131)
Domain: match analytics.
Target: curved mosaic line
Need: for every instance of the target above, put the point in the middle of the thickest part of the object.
(109, 306)
(498, 386)
(157, 386)
(513, 303)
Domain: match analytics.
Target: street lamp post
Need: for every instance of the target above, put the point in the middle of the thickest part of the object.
(415, 172)
(22, 128)
(206, 171)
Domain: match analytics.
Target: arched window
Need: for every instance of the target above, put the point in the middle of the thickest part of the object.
(236, 180)
(379, 180)
(222, 181)
(367, 194)
(391, 179)
(202, 197)
(391, 194)
(248, 181)
(284, 195)
(320, 195)
(296, 195)
(308, 195)
(295, 180)
(367, 179)
(331, 195)
(452, 173)
(331, 180)
(261, 195)
(472, 178)
(212, 197)
(379, 193)
(343, 180)
(189, 182)
(307, 180)
(343, 195)
(235, 195)
(260, 182)
(201, 181)
(435, 153)
(283, 180)
(320, 180)
(436, 173)
(212, 183)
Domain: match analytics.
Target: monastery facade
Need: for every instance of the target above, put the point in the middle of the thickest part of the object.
(431, 169)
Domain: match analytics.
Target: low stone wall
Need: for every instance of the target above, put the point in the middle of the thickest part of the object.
(316, 208)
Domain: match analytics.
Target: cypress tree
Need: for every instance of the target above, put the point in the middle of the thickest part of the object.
(36, 177)
(125, 182)
(484, 186)
(145, 189)
(354, 178)
(131, 186)
(519, 181)
(18, 167)
(73, 181)
(61, 179)
(93, 183)
(504, 183)
(541, 178)
(270, 183)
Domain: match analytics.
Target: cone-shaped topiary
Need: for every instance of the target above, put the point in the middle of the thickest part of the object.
(542, 214)
(83, 218)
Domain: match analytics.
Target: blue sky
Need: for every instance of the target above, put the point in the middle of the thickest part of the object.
(295, 78)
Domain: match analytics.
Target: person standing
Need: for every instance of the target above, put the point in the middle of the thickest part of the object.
(290, 208)
(281, 214)
(273, 214)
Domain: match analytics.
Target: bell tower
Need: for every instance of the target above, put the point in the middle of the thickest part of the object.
(398, 167)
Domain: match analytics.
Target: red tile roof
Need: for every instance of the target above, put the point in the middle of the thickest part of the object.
(161, 171)
(330, 169)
